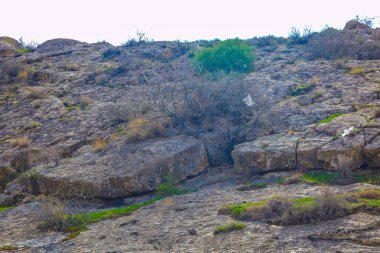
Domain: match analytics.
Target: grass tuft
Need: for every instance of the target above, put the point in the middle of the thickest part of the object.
(330, 118)
(229, 228)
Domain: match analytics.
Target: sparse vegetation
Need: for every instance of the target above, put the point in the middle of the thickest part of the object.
(20, 142)
(229, 55)
(22, 75)
(291, 211)
(357, 72)
(34, 92)
(168, 187)
(140, 129)
(5, 208)
(100, 144)
(251, 186)
(330, 118)
(230, 227)
(297, 90)
(319, 177)
(293, 179)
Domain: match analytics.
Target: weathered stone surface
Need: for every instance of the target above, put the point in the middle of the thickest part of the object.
(57, 44)
(125, 171)
(307, 152)
(339, 124)
(269, 153)
(355, 24)
(343, 154)
(372, 153)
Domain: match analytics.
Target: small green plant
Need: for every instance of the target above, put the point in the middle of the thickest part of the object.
(335, 137)
(5, 208)
(12, 248)
(23, 50)
(301, 89)
(330, 118)
(229, 228)
(251, 186)
(229, 55)
(169, 187)
(357, 72)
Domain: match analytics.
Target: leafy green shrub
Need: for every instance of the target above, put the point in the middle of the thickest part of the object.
(229, 55)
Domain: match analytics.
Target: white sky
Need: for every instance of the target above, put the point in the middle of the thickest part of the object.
(116, 21)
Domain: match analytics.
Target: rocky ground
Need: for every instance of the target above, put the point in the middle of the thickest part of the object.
(99, 127)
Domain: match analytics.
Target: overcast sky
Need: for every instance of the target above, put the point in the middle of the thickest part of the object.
(116, 21)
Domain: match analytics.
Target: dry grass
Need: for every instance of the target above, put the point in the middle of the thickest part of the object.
(140, 129)
(368, 194)
(71, 67)
(20, 142)
(357, 72)
(293, 179)
(34, 92)
(100, 144)
(115, 137)
(53, 215)
(22, 75)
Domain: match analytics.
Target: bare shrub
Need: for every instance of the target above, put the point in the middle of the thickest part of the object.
(199, 102)
(118, 113)
(368, 194)
(332, 44)
(100, 144)
(140, 129)
(53, 215)
(293, 179)
(20, 142)
(34, 92)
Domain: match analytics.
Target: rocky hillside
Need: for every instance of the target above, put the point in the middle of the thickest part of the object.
(131, 149)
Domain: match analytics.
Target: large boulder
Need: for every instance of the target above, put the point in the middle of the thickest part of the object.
(307, 152)
(268, 153)
(372, 153)
(125, 170)
(343, 154)
(55, 45)
(355, 25)
(8, 46)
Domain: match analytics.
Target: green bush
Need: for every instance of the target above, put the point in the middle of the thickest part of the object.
(229, 55)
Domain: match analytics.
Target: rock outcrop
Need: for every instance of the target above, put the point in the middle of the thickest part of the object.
(321, 147)
(124, 170)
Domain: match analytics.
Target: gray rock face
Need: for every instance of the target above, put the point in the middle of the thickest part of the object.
(269, 153)
(126, 170)
(319, 147)
(372, 153)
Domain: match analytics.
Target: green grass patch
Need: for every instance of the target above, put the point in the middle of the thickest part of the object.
(229, 228)
(251, 186)
(304, 202)
(12, 247)
(301, 89)
(330, 118)
(238, 209)
(370, 202)
(319, 177)
(5, 208)
(23, 50)
(367, 177)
